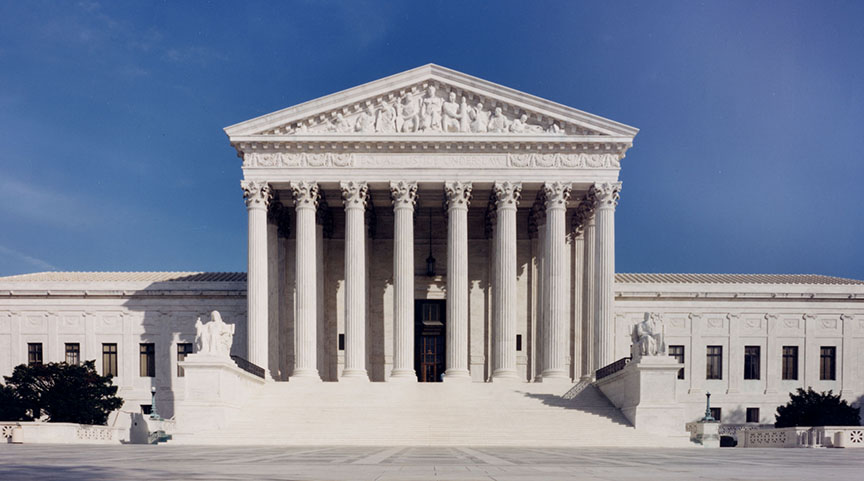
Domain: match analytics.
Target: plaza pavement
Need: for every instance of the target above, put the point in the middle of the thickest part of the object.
(421, 463)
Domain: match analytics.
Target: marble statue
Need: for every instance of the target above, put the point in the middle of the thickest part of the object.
(521, 126)
(452, 114)
(464, 119)
(499, 122)
(648, 337)
(365, 121)
(479, 119)
(408, 115)
(385, 122)
(430, 111)
(214, 337)
(341, 124)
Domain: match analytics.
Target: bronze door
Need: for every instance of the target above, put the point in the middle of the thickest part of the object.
(429, 340)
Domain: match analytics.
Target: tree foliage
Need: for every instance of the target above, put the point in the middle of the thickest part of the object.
(811, 408)
(65, 393)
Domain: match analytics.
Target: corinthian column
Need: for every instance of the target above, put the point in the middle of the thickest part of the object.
(606, 195)
(354, 195)
(458, 198)
(257, 196)
(555, 270)
(305, 338)
(404, 196)
(584, 218)
(504, 288)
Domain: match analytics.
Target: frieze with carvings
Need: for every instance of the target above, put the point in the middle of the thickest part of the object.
(497, 161)
(430, 108)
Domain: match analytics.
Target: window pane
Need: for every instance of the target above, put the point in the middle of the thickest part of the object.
(752, 415)
(751, 362)
(73, 353)
(34, 353)
(790, 363)
(183, 349)
(147, 360)
(827, 363)
(109, 359)
(714, 368)
(715, 413)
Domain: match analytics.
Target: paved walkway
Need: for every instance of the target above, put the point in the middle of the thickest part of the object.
(417, 463)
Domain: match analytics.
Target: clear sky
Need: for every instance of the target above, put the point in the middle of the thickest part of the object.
(750, 156)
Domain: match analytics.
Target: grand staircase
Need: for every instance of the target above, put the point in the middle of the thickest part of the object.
(429, 414)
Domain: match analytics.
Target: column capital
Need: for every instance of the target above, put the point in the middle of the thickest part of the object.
(606, 194)
(404, 194)
(354, 194)
(507, 194)
(306, 194)
(556, 194)
(458, 194)
(257, 194)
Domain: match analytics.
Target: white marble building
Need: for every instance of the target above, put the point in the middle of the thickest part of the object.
(434, 225)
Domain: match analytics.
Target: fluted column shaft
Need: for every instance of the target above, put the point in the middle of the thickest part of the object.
(458, 199)
(354, 195)
(504, 289)
(404, 196)
(306, 342)
(555, 271)
(586, 213)
(257, 196)
(606, 195)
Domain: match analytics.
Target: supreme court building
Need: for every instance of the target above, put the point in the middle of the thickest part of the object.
(432, 226)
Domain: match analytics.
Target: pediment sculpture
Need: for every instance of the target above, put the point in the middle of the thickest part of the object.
(648, 337)
(431, 108)
(214, 338)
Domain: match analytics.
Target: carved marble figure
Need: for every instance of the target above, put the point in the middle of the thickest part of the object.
(408, 115)
(386, 120)
(648, 337)
(499, 122)
(214, 337)
(452, 114)
(365, 121)
(479, 119)
(430, 111)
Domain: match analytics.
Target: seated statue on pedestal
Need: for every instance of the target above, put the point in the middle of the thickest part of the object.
(648, 337)
(215, 337)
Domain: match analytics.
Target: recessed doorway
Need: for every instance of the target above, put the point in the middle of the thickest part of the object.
(429, 338)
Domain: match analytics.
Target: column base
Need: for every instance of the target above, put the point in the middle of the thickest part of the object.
(306, 376)
(554, 377)
(403, 375)
(505, 376)
(457, 375)
(354, 375)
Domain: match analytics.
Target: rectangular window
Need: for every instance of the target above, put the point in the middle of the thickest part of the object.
(109, 359)
(183, 349)
(751, 362)
(752, 415)
(678, 353)
(790, 363)
(73, 353)
(341, 342)
(828, 363)
(714, 368)
(34, 354)
(518, 342)
(147, 360)
(715, 413)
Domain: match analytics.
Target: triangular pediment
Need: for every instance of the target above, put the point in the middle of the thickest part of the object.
(429, 101)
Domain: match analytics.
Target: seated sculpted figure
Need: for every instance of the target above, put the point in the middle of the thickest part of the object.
(214, 337)
(648, 337)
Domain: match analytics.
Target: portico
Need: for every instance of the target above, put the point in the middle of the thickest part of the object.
(365, 186)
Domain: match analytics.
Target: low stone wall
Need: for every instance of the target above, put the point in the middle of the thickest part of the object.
(61, 433)
(803, 437)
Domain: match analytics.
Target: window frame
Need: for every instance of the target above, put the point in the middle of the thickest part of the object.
(749, 412)
(828, 354)
(717, 413)
(76, 351)
(181, 356)
(714, 373)
(34, 351)
(679, 356)
(110, 365)
(792, 357)
(147, 359)
(752, 360)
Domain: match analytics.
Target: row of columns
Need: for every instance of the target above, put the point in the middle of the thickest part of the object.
(595, 216)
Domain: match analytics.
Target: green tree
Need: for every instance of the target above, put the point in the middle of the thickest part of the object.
(11, 406)
(65, 393)
(811, 408)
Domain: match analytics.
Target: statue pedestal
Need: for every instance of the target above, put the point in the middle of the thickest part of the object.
(707, 433)
(214, 389)
(644, 391)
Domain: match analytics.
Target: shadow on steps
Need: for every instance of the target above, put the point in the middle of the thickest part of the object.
(589, 400)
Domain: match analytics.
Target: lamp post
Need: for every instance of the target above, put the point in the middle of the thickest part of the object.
(153, 413)
(708, 417)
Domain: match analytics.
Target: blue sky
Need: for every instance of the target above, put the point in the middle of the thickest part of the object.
(750, 156)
